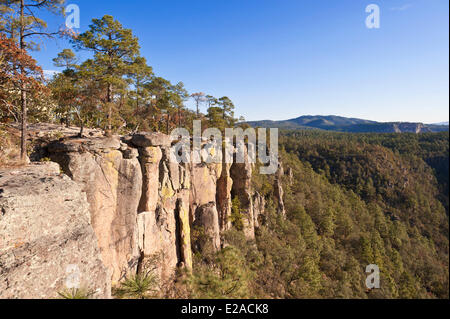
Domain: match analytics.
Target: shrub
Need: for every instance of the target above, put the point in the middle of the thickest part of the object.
(76, 293)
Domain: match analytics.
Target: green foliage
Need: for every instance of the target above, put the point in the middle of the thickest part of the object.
(115, 89)
(351, 203)
(236, 217)
(31, 23)
(227, 276)
(115, 51)
(367, 203)
(220, 113)
(138, 286)
(76, 293)
(144, 284)
(201, 243)
(66, 59)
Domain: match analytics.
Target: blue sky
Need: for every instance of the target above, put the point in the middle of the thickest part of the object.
(281, 59)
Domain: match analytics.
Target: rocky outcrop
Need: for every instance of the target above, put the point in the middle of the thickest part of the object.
(290, 175)
(47, 236)
(150, 159)
(151, 139)
(207, 219)
(184, 231)
(143, 206)
(278, 190)
(139, 200)
(410, 128)
(113, 185)
(241, 174)
(122, 203)
(164, 207)
(223, 197)
(203, 184)
(259, 206)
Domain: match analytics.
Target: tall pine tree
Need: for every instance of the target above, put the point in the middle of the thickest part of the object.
(115, 52)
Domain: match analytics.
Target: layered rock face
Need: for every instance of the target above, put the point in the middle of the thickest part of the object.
(113, 185)
(111, 205)
(46, 235)
(163, 212)
(142, 205)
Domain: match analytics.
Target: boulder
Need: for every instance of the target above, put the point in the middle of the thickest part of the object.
(146, 139)
(207, 221)
(92, 144)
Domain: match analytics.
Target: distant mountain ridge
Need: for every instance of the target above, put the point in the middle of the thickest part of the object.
(441, 123)
(351, 125)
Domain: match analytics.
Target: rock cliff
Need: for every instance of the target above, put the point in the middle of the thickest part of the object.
(140, 204)
(46, 234)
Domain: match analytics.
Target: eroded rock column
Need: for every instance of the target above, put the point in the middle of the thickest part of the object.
(163, 219)
(241, 174)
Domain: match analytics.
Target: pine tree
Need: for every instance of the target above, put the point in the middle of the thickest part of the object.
(66, 59)
(115, 50)
(65, 85)
(199, 98)
(227, 110)
(141, 75)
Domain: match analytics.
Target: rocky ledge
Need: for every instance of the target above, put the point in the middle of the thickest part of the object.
(46, 235)
(122, 195)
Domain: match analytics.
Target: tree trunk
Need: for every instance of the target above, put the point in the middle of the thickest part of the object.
(109, 99)
(137, 97)
(81, 128)
(168, 119)
(81, 125)
(23, 100)
(23, 140)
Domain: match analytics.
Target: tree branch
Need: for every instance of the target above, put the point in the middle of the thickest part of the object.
(50, 35)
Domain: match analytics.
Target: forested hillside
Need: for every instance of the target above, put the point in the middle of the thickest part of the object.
(353, 200)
